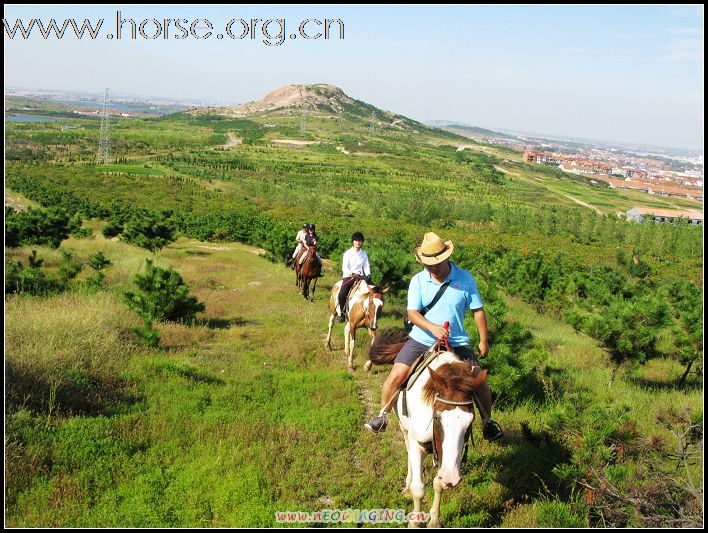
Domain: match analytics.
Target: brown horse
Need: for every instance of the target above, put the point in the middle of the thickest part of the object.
(307, 271)
(365, 303)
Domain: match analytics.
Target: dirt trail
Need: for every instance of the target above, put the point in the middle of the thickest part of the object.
(471, 147)
(583, 203)
(505, 171)
(233, 141)
(293, 141)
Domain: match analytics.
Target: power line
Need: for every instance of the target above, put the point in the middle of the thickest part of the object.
(303, 119)
(104, 141)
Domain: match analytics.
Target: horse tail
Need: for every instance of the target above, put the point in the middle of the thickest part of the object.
(387, 345)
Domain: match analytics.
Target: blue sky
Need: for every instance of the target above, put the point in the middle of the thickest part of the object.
(632, 74)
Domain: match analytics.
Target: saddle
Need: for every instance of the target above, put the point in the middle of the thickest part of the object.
(419, 366)
(352, 291)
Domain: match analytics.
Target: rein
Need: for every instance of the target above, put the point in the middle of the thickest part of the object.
(367, 315)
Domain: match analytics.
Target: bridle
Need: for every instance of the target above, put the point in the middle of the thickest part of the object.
(370, 299)
(436, 422)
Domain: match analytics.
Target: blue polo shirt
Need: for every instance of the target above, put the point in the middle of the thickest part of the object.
(461, 295)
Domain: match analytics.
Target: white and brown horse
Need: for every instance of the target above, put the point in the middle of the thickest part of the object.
(365, 304)
(436, 417)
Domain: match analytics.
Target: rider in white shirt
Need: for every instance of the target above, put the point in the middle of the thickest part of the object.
(355, 265)
(300, 238)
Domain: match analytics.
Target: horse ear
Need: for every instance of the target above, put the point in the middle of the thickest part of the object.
(435, 377)
(384, 291)
(480, 379)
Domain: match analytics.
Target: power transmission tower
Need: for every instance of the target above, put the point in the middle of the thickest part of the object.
(104, 141)
(303, 120)
(372, 123)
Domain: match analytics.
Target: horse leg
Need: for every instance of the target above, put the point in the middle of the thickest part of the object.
(314, 284)
(305, 286)
(347, 344)
(407, 489)
(352, 340)
(435, 509)
(329, 331)
(367, 365)
(298, 271)
(417, 486)
(346, 339)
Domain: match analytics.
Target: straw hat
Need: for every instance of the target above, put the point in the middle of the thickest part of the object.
(433, 250)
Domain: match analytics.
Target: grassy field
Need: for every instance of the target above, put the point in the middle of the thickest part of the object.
(245, 413)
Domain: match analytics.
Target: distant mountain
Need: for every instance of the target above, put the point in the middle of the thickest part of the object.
(463, 129)
(321, 99)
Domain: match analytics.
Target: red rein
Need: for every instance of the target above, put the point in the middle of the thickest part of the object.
(443, 340)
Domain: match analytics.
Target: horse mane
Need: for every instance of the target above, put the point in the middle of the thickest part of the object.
(457, 376)
(387, 345)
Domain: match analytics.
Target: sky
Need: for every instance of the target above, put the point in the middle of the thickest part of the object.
(631, 74)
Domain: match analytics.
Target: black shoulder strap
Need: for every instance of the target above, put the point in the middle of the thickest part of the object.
(441, 290)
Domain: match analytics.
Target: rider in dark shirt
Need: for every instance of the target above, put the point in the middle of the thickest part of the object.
(311, 240)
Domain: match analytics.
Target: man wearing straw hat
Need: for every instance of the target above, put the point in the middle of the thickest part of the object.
(452, 303)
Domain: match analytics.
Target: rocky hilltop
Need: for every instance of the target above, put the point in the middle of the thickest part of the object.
(320, 98)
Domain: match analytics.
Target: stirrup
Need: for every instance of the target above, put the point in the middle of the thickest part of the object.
(491, 431)
(377, 424)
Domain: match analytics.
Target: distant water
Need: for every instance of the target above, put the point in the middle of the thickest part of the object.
(99, 105)
(31, 118)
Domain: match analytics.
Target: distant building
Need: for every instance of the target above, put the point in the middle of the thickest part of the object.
(544, 158)
(664, 215)
(674, 191)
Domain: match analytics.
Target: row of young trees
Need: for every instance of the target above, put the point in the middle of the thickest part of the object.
(625, 306)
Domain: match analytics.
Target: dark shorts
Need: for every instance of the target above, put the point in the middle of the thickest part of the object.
(413, 349)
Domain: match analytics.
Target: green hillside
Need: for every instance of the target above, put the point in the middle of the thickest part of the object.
(596, 325)
(245, 413)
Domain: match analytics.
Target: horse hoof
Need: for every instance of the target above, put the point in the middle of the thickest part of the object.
(350, 369)
(367, 366)
(434, 524)
(406, 491)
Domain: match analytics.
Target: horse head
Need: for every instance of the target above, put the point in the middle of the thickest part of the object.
(373, 305)
(450, 390)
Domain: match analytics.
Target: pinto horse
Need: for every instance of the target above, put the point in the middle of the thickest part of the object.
(365, 304)
(308, 270)
(436, 416)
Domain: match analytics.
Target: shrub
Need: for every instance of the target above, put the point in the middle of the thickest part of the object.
(149, 230)
(31, 279)
(628, 330)
(513, 361)
(45, 227)
(112, 229)
(163, 295)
